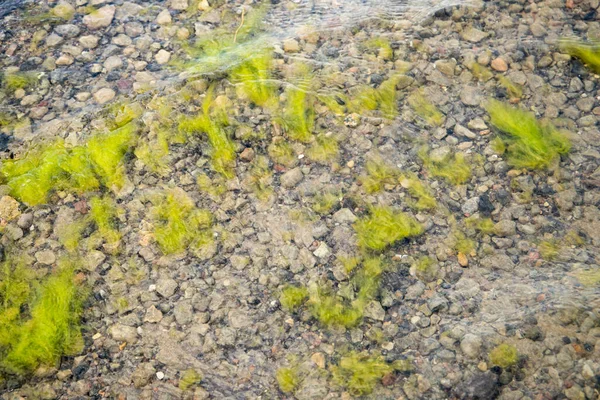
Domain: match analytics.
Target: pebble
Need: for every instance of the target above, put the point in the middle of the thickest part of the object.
(179, 5)
(471, 345)
(123, 333)
(89, 41)
(100, 18)
(104, 95)
(46, 257)
(291, 178)
(473, 35)
(162, 57)
(164, 18)
(291, 46)
(499, 65)
(166, 287)
(9, 208)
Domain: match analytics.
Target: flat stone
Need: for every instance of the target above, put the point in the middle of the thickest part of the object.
(473, 35)
(89, 41)
(142, 375)
(179, 5)
(239, 319)
(100, 18)
(9, 208)
(291, 46)
(291, 178)
(375, 311)
(166, 287)
(153, 315)
(505, 228)
(471, 345)
(162, 57)
(104, 95)
(164, 18)
(344, 216)
(322, 251)
(46, 257)
(499, 65)
(123, 333)
(471, 96)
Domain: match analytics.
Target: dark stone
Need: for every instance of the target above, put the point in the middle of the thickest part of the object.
(482, 386)
(376, 79)
(485, 205)
(534, 333)
(79, 370)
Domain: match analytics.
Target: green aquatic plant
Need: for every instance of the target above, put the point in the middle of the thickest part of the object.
(324, 149)
(104, 213)
(293, 297)
(504, 355)
(483, 225)
(40, 317)
(588, 52)
(19, 80)
(453, 167)
(382, 46)
(383, 227)
(49, 167)
(379, 173)
(549, 249)
(331, 311)
(154, 152)
(70, 234)
(426, 269)
(189, 379)
(282, 153)
(260, 178)
(325, 202)
(530, 143)
(365, 98)
(287, 379)
(481, 73)
(178, 224)
(107, 152)
(419, 190)
(588, 278)
(425, 109)
(253, 78)
(359, 373)
(298, 117)
(515, 91)
(460, 243)
(212, 121)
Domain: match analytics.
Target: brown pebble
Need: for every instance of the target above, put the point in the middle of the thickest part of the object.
(499, 65)
(247, 154)
(462, 259)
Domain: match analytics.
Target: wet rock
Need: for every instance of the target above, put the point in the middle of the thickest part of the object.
(446, 67)
(89, 41)
(322, 251)
(164, 18)
(179, 5)
(142, 375)
(375, 311)
(183, 312)
(123, 333)
(291, 46)
(481, 386)
(162, 57)
(104, 95)
(498, 261)
(470, 206)
(344, 216)
(471, 345)
(473, 35)
(93, 259)
(153, 315)
(166, 287)
(67, 30)
(9, 208)
(239, 319)
(499, 65)
(291, 178)
(505, 228)
(100, 18)
(471, 96)
(46, 257)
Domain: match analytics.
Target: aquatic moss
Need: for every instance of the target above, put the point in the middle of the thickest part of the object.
(513, 90)
(383, 227)
(379, 173)
(331, 311)
(325, 202)
(154, 153)
(19, 80)
(425, 109)
(359, 373)
(282, 153)
(420, 191)
(189, 379)
(504, 355)
(104, 213)
(212, 121)
(549, 249)
(365, 98)
(530, 143)
(481, 73)
(293, 297)
(298, 117)
(49, 167)
(588, 52)
(453, 167)
(214, 187)
(260, 178)
(179, 225)
(47, 327)
(70, 234)
(107, 152)
(287, 379)
(253, 78)
(426, 269)
(382, 46)
(588, 278)
(483, 225)
(324, 149)
(461, 243)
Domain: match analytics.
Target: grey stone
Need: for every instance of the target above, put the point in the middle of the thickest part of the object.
(67, 30)
(464, 132)
(166, 287)
(343, 216)
(153, 315)
(470, 206)
(93, 259)
(123, 333)
(142, 375)
(498, 261)
(471, 345)
(100, 18)
(478, 387)
(239, 319)
(375, 311)
(291, 178)
(505, 228)
(183, 312)
(46, 257)
(322, 251)
(473, 35)
(471, 96)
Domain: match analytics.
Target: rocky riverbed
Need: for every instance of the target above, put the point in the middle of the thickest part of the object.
(495, 294)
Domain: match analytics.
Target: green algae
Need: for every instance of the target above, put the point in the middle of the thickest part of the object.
(530, 143)
(298, 118)
(378, 174)
(453, 167)
(419, 190)
(425, 109)
(281, 152)
(178, 224)
(19, 80)
(324, 149)
(292, 297)
(365, 98)
(361, 372)
(40, 317)
(287, 379)
(588, 52)
(325, 202)
(426, 269)
(104, 213)
(383, 227)
(260, 178)
(189, 379)
(504, 355)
